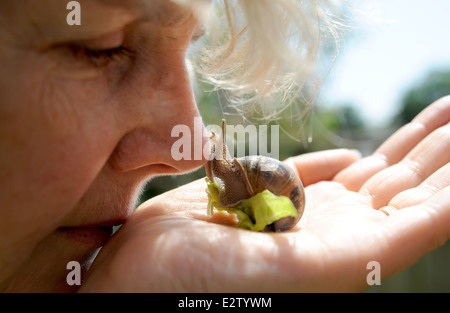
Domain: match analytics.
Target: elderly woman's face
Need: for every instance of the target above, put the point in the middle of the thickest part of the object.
(86, 114)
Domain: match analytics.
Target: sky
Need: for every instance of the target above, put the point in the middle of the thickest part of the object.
(390, 48)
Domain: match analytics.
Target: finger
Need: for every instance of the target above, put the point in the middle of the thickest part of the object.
(397, 146)
(322, 165)
(414, 196)
(432, 117)
(426, 158)
(415, 231)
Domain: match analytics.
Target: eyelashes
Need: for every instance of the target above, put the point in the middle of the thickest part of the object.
(100, 57)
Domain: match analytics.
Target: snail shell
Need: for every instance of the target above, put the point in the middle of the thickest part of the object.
(241, 178)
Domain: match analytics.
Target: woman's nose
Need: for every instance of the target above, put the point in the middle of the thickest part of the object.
(164, 130)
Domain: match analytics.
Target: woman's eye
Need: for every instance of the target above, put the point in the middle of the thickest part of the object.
(100, 57)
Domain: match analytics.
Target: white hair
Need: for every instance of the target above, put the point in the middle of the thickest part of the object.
(264, 53)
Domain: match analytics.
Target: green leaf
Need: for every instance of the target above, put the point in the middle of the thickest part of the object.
(256, 212)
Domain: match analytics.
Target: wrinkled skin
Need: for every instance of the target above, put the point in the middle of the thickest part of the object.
(83, 126)
(170, 244)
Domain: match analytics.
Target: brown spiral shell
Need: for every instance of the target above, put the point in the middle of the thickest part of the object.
(280, 180)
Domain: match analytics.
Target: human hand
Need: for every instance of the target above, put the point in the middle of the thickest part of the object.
(392, 207)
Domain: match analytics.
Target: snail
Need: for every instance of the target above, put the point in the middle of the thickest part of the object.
(238, 179)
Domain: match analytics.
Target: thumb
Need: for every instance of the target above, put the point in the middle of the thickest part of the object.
(322, 165)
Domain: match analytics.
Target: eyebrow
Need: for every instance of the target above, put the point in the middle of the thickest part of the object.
(161, 12)
(167, 12)
(164, 12)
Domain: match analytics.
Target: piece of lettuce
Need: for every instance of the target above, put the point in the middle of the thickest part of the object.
(256, 212)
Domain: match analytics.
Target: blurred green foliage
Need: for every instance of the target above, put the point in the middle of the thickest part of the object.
(433, 86)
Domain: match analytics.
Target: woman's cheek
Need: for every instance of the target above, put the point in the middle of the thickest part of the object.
(61, 141)
(55, 137)
(80, 139)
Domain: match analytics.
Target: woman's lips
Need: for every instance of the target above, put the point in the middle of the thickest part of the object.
(95, 236)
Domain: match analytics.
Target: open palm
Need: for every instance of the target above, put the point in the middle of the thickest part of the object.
(392, 207)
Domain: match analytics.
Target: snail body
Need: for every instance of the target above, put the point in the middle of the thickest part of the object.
(239, 179)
